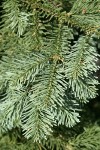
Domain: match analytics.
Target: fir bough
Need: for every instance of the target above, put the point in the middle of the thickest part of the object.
(44, 77)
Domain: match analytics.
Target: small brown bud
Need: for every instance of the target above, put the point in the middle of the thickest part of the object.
(84, 11)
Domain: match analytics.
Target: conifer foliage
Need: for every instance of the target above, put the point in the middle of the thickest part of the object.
(46, 74)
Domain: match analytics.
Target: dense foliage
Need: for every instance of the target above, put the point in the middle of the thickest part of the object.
(48, 62)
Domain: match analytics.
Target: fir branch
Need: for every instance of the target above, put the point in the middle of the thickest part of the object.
(80, 67)
(86, 15)
(44, 75)
(18, 21)
(89, 139)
